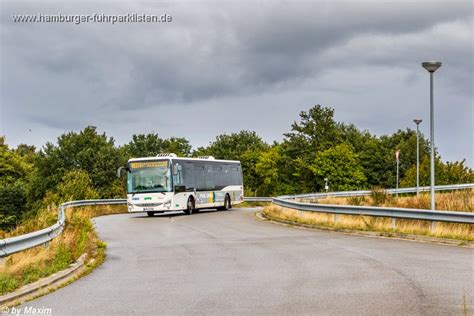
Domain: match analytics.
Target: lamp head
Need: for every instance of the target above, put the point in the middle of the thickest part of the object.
(417, 121)
(431, 66)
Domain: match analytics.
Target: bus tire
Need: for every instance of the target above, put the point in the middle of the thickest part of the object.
(189, 206)
(150, 214)
(227, 204)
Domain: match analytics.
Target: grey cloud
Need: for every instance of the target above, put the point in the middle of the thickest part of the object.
(247, 52)
(67, 76)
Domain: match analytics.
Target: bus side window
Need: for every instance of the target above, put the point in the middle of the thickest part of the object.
(226, 175)
(240, 177)
(189, 180)
(209, 178)
(199, 175)
(178, 174)
(218, 177)
(234, 175)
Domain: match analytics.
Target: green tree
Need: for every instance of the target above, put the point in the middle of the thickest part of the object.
(233, 146)
(12, 205)
(149, 145)
(405, 141)
(27, 152)
(13, 167)
(269, 170)
(87, 150)
(316, 132)
(372, 154)
(252, 183)
(178, 145)
(244, 146)
(76, 185)
(373, 159)
(14, 185)
(445, 173)
(456, 173)
(142, 145)
(341, 166)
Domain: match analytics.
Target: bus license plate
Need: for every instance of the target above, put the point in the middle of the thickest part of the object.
(147, 209)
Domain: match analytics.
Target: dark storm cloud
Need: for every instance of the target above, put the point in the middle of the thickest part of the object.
(65, 76)
(216, 52)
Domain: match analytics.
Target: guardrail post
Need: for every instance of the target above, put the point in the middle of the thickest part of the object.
(335, 218)
(394, 223)
(433, 227)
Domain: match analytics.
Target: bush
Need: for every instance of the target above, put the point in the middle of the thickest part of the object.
(7, 283)
(379, 196)
(12, 206)
(356, 200)
(116, 190)
(76, 185)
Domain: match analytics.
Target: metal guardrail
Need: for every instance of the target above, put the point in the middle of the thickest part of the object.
(257, 199)
(392, 212)
(9, 246)
(451, 187)
(12, 245)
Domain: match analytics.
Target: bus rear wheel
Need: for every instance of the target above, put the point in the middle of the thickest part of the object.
(227, 204)
(189, 206)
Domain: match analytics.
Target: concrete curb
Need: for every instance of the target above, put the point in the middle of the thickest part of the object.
(44, 285)
(406, 237)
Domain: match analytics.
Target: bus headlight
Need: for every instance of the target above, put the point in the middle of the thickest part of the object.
(167, 204)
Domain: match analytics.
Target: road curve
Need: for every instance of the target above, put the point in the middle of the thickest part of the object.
(229, 263)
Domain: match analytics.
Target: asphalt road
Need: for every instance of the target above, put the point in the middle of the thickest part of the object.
(229, 263)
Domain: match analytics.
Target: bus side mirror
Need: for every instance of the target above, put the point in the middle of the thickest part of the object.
(119, 170)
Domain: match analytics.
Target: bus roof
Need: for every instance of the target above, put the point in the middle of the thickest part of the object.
(182, 159)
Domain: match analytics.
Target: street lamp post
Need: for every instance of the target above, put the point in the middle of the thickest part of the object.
(397, 158)
(431, 67)
(417, 122)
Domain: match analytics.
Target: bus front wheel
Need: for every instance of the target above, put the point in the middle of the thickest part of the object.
(150, 214)
(189, 206)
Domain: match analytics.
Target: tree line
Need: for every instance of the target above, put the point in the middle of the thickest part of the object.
(82, 165)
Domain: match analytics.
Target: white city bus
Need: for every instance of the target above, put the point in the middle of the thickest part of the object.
(166, 183)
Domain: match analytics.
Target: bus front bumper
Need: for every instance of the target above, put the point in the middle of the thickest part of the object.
(150, 207)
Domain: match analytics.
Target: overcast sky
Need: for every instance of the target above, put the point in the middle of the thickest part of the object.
(223, 67)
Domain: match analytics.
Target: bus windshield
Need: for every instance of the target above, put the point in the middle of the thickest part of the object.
(153, 176)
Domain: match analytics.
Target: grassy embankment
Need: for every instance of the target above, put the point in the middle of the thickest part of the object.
(77, 238)
(452, 201)
(251, 204)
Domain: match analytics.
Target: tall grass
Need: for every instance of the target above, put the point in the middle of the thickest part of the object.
(462, 232)
(77, 238)
(45, 217)
(461, 200)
